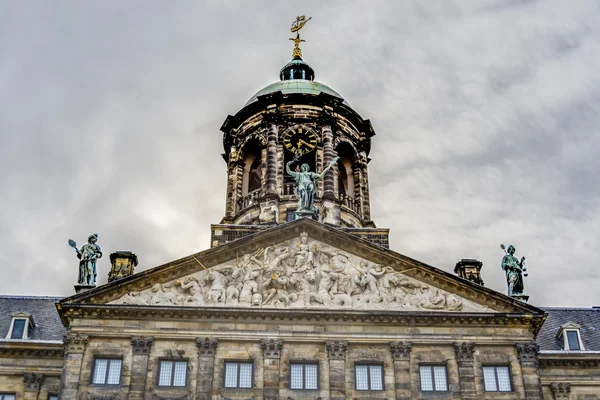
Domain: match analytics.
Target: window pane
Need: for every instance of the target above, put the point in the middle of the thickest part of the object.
(489, 379)
(573, 340)
(503, 379)
(52, 397)
(231, 375)
(426, 382)
(296, 376)
(376, 377)
(17, 332)
(114, 372)
(362, 382)
(100, 371)
(7, 396)
(310, 372)
(439, 377)
(246, 375)
(180, 373)
(166, 371)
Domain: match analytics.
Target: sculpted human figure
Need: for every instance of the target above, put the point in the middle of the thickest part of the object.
(273, 264)
(305, 184)
(194, 291)
(382, 275)
(235, 283)
(88, 255)
(275, 290)
(159, 296)
(514, 269)
(304, 256)
(217, 291)
(249, 288)
(434, 301)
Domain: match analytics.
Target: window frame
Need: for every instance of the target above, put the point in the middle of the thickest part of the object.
(109, 359)
(431, 365)
(304, 364)
(14, 395)
(160, 366)
(18, 316)
(566, 345)
(510, 378)
(369, 364)
(238, 362)
(51, 395)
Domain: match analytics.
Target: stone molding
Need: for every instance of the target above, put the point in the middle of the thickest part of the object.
(32, 381)
(271, 348)
(336, 349)
(29, 353)
(528, 353)
(207, 347)
(184, 397)
(91, 396)
(558, 362)
(400, 350)
(561, 390)
(75, 343)
(464, 351)
(141, 345)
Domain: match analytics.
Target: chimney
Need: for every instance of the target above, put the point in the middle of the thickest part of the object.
(122, 265)
(469, 269)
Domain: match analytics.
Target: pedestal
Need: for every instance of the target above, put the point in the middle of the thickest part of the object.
(83, 288)
(521, 297)
(307, 214)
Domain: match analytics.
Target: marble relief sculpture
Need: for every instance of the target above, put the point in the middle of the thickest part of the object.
(300, 273)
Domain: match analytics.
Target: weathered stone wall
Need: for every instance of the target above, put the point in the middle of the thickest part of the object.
(567, 377)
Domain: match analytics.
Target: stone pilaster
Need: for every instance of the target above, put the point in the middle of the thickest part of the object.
(528, 357)
(69, 382)
(328, 155)
(561, 391)
(271, 168)
(140, 346)
(32, 382)
(464, 357)
(364, 188)
(207, 348)
(401, 356)
(337, 350)
(271, 350)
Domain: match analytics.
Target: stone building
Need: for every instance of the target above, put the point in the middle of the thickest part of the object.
(293, 303)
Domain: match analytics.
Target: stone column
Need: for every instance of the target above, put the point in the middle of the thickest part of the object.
(561, 391)
(401, 356)
(33, 382)
(271, 349)
(464, 356)
(233, 173)
(271, 168)
(336, 350)
(528, 356)
(139, 366)
(328, 155)
(207, 348)
(364, 187)
(69, 381)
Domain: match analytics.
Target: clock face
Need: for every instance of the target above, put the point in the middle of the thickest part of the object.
(299, 140)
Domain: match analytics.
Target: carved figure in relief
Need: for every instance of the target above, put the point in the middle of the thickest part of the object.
(304, 257)
(249, 288)
(435, 300)
(272, 264)
(216, 294)
(235, 282)
(194, 296)
(135, 298)
(161, 297)
(453, 303)
(275, 291)
(382, 275)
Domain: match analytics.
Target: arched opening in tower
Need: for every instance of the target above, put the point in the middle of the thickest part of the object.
(345, 171)
(253, 166)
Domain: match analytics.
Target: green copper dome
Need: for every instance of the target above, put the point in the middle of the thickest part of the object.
(296, 77)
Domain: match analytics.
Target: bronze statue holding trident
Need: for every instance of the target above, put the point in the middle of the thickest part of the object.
(515, 270)
(305, 185)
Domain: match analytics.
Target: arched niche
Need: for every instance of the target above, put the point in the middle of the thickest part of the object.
(253, 166)
(346, 185)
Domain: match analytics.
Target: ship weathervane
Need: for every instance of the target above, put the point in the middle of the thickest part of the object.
(296, 26)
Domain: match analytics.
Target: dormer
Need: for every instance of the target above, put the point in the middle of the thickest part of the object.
(569, 336)
(20, 326)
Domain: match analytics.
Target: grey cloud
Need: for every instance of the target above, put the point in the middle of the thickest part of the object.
(486, 116)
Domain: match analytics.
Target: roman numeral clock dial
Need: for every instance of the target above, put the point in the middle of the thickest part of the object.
(300, 140)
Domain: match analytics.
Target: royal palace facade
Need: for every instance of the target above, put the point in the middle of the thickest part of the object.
(299, 296)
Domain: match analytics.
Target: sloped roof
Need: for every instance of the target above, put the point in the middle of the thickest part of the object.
(588, 318)
(43, 311)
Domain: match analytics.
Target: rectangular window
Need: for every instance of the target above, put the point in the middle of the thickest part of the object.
(18, 329)
(172, 373)
(107, 371)
(497, 379)
(238, 374)
(304, 376)
(573, 340)
(369, 377)
(52, 397)
(6, 396)
(433, 378)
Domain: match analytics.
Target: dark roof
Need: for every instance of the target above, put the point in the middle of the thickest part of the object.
(587, 318)
(43, 311)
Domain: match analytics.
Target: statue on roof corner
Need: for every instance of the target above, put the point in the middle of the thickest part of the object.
(515, 270)
(88, 255)
(305, 186)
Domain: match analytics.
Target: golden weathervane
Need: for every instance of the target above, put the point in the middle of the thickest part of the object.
(296, 26)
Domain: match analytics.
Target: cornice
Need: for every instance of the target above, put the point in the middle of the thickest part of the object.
(569, 360)
(56, 352)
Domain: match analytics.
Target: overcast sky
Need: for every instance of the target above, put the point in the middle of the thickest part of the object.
(487, 116)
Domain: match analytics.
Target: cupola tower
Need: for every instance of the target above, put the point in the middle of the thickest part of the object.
(296, 121)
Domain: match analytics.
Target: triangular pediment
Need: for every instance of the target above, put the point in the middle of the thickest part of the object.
(302, 265)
